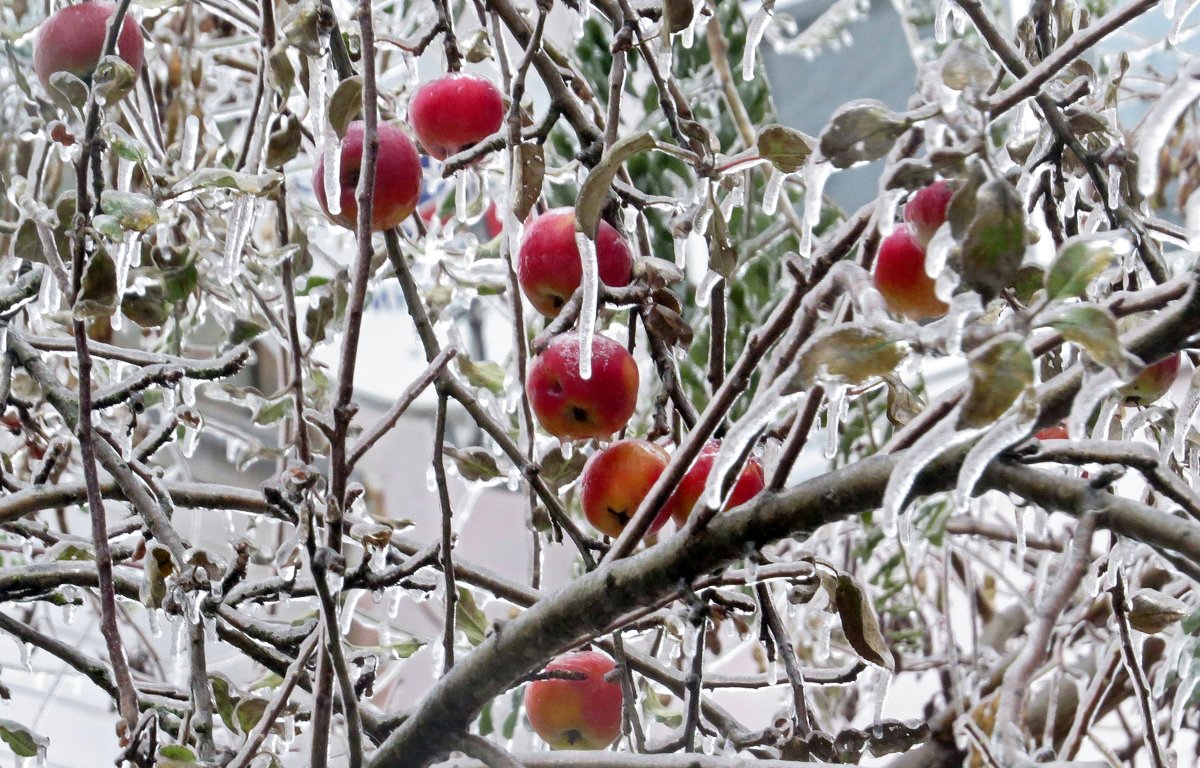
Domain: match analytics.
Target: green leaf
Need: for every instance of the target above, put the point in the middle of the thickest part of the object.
(861, 131)
(345, 104)
(849, 354)
(274, 411)
(995, 241)
(175, 756)
(653, 705)
(283, 74)
(559, 471)
(1153, 611)
(69, 90)
(474, 463)
(22, 741)
(964, 67)
(1095, 330)
(134, 212)
(113, 79)
(469, 618)
(248, 712)
(284, 143)
(99, 295)
(223, 178)
(1000, 372)
(125, 146)
(860, 624)
(484, 373)
(147, 306)
(529, 171)
(1080, 261)
(245, 330)
(787, 148)
(598, 184)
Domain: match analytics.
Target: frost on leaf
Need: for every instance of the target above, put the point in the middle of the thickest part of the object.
(1000, 372)
(850, 354)
(860, 624)
(995, 240)
(861, 131)
(1080, 261)
(787, 148)
(1095, 330)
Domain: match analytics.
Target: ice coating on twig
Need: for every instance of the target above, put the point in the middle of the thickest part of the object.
(191, 138)
(705, 288)
(941, 438)
(240, 223)
(1178, 19)
(1011, 429)
(1095, 388)
(765, 409)
(1185, 415)
(1161, 121)
(591, 301)
(754, 35)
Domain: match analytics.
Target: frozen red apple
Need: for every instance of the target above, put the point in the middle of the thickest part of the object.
(901, 279)
(616, 479)
(748, 485)
(925, 211)
(72, 39)
(1154, 380)
(455, 112)
(548, 265)
(397, 178)
(582, 711)
(569, 406)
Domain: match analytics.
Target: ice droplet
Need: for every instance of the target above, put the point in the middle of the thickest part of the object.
(941, 22)
(1163, 116)
(705, 288)
(815, 176)
(883, 683)
(754, 35)
(773, 671)
(1019, 519)
(591, 300)
(1094, 389)
(833, 418)
(771, 194)
(1114, 186)
(348, 609)
(941, 438)
(1185, 415)
(395, 594)
(191, 139)
(126, 257)
(27, 656)
(1178, 20)
(765, 409)
(154, 619)
(240, 223)
(461, 196)
(1009, 430)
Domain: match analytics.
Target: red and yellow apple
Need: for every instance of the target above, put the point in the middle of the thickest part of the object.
(455, 112)
(1154, 380)
(576, 714)
(616, 479)
(749, 483)
(548, 265)
(901, 279)
(72, 39)
(926, 210)
(397, 178)
(569, 406)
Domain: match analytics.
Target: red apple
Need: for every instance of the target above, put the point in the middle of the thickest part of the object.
(926, 210)
(900, 277)
(616, 479)
(749, 483)
(72, 39)
(548, 266)
(454, 112)
(577, 714)
(397, 178)
(1154, 381)
(492, 220)
(571, 407)
(1056, 432)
